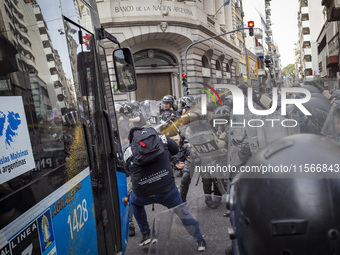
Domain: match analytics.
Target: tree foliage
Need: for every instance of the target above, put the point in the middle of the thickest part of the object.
(289, 71)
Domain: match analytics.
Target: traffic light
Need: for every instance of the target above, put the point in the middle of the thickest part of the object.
(251, 28)
(184, 80)
(185, 85)
(86, 39)
(268, 61)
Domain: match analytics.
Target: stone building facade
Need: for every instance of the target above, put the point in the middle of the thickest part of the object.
(159, 32)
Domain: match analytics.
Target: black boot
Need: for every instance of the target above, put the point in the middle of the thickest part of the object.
(131, 230)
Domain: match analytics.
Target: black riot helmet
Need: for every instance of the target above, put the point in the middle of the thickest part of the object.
(119, 107)
(318, 103)
(168, 99)
(222, 112)
(127, 108)
(313, 123)
(135, 106)
(336, 94)
(228, 100)
(181, 101)
(189, 101)
(311, 88)
(244, 88)
(319, 95)
(331, 128)
(294, 215)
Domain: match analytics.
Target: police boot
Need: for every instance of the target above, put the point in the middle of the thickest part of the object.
(211, 203)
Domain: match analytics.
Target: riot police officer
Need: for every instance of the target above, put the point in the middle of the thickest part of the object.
(319, 108)
(168, 110)
(288, 212)
(208, 151)
(182, 106)
(133, 113)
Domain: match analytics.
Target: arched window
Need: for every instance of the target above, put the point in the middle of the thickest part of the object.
(205, 62)
(206, 72)
(218, 65)
(219, 73)
(227, 69)
(153, 57)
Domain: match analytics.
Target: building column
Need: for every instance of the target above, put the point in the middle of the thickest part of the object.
(221, 14)
(209, 7)
(228, 10)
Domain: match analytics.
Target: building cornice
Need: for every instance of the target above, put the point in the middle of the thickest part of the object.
(173, 23)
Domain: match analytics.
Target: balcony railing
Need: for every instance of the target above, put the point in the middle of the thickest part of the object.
(307, 51)
(305, 23)
(59, 91)
(304, 10)
(306, 38)
(258, 33)
(269, 32)
(55, 77)
(48, 50)
(44, 37)
(51, 64)
(308, 65)
(259, 50)
(261, 72)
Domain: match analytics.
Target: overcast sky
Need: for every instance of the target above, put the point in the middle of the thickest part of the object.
(284, 24)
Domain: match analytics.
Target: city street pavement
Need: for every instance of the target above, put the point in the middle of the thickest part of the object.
(212, 224)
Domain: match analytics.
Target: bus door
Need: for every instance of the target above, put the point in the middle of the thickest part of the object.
(96, 119)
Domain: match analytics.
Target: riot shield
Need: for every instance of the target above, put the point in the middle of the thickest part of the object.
(267, 129)
(208, 149)
(146, 111)
(154, 112)
(237, 139)
(263, 130)
(331, 127)
(171, 232)
(314, 123)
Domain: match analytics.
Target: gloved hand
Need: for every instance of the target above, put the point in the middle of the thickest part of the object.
(173, 117)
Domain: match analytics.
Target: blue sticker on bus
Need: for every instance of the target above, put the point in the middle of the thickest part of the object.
(62, 223)
(74, 222)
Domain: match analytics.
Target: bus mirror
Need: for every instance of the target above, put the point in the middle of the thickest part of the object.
(125, 70)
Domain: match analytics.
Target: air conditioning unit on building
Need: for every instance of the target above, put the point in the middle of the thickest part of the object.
(333, 9)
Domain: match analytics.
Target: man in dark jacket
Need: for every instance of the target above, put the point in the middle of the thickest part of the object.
(155, 183)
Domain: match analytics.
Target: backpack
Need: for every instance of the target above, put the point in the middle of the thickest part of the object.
(146, 146)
